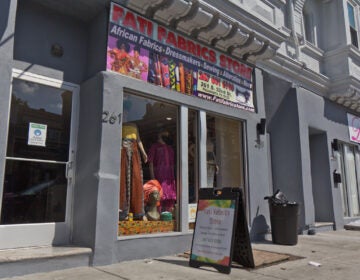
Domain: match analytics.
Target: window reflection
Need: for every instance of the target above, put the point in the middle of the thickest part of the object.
(33, 193)
(40, 104)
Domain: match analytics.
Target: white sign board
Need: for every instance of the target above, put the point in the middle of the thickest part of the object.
(37, 134)
(214, 231)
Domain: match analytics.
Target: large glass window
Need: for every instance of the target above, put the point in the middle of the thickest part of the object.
(309, 26)
(148, 187)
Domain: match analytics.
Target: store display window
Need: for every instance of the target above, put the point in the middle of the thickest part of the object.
(148, 171)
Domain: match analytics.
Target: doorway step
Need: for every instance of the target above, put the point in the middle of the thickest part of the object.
(353, 225)
(21, 261)
(323, 226)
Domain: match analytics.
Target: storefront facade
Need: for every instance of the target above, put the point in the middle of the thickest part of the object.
(99, 99)
(66, 110)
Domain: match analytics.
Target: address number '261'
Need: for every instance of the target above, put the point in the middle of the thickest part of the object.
(111, 118)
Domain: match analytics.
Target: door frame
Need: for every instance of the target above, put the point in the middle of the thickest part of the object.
(41, 234)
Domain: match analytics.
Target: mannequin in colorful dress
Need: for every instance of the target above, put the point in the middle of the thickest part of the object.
(131, 180)
(161, 164)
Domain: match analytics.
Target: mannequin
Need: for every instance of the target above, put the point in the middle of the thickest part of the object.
(131, 181)
(152, 197)
(212, 167)
(161, 164)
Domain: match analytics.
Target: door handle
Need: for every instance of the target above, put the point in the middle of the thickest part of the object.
(68, 170)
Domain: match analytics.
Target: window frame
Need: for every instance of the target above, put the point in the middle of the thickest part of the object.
(309, 30)
(353, 30)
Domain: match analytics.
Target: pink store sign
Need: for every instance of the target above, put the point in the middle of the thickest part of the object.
(354, 128)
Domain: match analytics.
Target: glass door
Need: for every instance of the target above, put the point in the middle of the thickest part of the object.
(349, 163)
(38, 179)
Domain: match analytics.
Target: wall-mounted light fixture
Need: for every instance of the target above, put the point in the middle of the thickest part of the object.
(334, 148)
(336, 177)
(335, 145)
(260, 130)
(260, 127)
(57, 50)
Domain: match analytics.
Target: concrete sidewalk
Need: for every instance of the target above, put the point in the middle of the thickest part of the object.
(337, 252)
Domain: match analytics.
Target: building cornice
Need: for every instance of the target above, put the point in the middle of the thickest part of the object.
(297, 73)
(219, 24)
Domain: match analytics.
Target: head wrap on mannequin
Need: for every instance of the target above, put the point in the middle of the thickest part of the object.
(151, 186)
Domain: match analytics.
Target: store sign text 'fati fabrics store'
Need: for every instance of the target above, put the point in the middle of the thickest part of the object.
(145, 50)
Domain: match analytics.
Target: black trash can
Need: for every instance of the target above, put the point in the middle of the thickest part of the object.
(284, 222)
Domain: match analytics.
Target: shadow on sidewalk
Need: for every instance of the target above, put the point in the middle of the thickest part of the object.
(176, 262)
(262, 258)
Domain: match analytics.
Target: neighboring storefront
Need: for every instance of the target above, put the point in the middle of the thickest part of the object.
(315, 155)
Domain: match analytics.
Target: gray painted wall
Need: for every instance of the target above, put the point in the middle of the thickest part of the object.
(321, 181)
(38, 28)
(96, 45)
(259, 177)
(321, 114)
(84, 43)
(87, 163)
(286, 151)
(108, 174)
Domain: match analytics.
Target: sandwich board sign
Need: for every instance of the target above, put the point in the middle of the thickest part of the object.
(217, 229)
